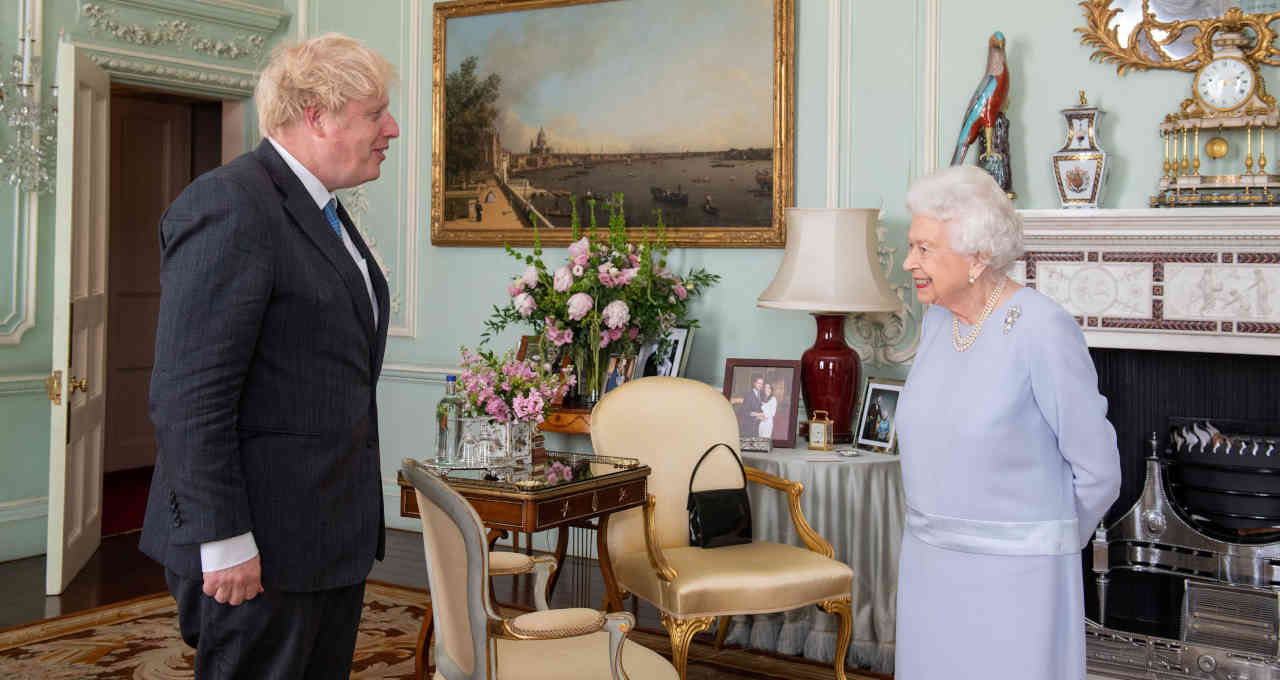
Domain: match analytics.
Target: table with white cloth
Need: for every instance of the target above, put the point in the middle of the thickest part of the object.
(858, 506)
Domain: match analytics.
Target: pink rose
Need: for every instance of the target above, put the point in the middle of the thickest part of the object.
(563, 279)
(524, 304)
(635, 260)
(616, 314)
(515, 287)
(626, 275)
(633, 333)
(680, 291)
(579, 251)
(530, 277)
(579, 305)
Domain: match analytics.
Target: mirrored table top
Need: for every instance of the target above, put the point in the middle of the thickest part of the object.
(559, 471)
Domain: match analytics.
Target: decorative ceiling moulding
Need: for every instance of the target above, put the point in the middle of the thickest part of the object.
(1196, 279)
(218, 29)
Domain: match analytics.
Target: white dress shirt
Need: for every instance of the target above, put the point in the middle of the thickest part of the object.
(229, 552)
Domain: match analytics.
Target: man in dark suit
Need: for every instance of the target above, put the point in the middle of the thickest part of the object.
(752, 409)
(266, 502)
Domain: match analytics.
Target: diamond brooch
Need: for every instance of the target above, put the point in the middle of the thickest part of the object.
(1011, 318)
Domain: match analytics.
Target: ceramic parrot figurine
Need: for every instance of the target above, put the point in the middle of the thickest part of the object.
(987, 102)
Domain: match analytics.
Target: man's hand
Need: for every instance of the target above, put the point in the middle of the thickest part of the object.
(234, 585)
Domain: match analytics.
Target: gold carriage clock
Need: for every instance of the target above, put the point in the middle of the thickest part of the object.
(1228, 98)
(1215, 145)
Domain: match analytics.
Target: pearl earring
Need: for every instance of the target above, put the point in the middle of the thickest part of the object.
(971, 278)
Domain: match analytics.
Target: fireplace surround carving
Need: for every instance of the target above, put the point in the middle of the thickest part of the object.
(1205, 280)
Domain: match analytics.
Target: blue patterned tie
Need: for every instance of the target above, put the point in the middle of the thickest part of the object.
(331, 212)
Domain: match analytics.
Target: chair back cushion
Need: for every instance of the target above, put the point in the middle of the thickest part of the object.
(457, 561)
(666, 423)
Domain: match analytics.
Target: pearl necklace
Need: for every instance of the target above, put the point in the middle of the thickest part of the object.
(963, 344)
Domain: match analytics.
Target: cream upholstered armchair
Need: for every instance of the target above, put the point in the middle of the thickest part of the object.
(667, 423)
(474, 642)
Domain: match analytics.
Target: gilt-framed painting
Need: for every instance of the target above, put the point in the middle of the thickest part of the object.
(544, 108)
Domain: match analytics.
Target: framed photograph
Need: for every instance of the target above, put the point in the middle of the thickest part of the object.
(670, 363)
(764, 394)
(618, 371)
(540, 106)
(530, 348)
(877, 426)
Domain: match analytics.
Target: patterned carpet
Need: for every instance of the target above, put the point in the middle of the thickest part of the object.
(139, 640)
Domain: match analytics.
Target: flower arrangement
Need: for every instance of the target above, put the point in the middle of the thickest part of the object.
(609, 294)
(508, 389)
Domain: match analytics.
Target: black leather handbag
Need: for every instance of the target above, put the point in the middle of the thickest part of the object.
(719, 517)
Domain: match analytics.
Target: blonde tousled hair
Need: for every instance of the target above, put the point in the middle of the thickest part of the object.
(324, 72)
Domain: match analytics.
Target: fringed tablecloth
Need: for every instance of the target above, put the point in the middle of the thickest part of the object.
(858, 506)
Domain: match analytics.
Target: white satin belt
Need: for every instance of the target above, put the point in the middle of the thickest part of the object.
(1045, 537)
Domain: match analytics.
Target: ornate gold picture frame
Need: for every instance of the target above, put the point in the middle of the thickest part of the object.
(548, 104)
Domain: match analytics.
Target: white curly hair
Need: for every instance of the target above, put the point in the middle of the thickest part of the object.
(980, 219)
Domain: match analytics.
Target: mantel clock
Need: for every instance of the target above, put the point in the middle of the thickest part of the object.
(1229, 102)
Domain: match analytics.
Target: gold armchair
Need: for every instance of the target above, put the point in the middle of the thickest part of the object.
(474, 642)
(667, 423)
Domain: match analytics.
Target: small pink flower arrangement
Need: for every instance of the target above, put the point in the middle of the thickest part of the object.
(609, 295)
(507, 389)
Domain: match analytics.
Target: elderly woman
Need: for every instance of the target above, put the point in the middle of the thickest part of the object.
(1008, 461)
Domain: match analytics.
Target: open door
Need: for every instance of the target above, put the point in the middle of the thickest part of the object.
(77, 386)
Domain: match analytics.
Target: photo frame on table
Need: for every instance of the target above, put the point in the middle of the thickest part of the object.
(526, 119)
(530, 348)
(751, 384)
(877, 420)
(672, 362)
(618, 371)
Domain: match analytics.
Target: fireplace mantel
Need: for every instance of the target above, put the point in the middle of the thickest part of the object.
(1178, 279)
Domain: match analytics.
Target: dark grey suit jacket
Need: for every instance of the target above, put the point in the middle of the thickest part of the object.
(264, 388)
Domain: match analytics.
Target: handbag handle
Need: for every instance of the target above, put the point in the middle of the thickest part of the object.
(736, 459)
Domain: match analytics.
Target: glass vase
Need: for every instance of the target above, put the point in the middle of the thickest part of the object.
(586, 371)
(488, 443)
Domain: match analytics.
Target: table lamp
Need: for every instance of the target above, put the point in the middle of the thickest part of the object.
(830, 269)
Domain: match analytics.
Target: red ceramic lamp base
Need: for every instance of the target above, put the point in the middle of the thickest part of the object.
(829, 376)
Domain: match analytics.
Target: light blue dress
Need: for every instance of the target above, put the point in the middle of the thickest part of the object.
(1008, 464)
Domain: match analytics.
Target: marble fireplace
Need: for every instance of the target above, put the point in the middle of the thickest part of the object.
(1181, 309)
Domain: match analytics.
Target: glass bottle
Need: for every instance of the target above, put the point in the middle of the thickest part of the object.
(448, 432)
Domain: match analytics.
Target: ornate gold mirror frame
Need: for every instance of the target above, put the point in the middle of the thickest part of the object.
(1147, 44)
(456, 222)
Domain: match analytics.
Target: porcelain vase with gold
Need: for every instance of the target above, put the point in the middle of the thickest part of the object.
(1080, 166)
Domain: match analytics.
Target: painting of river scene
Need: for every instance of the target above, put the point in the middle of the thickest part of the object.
(546, 108)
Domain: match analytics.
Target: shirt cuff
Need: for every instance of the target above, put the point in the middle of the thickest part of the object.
(228, 552)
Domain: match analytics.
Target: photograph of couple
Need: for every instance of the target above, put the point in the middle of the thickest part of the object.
(762, 399)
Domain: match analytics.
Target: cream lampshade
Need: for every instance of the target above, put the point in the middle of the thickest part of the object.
(830, 269)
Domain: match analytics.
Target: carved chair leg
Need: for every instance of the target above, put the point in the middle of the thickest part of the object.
(682, 632)
(422, 669)
(722, 629)
(843, 610)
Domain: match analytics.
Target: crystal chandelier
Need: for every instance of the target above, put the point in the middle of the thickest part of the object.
(29, 161)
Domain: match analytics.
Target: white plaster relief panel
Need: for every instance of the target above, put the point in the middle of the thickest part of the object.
(1118, 290)
(1216, 291)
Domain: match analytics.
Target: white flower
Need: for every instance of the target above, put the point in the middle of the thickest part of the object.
(616, 314)
(579, 304)
(530, 277)
(563, 279)
(577, 270)
(524, 304)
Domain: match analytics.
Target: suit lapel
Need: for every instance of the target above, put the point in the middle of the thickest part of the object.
(380, 290)
(300, 206)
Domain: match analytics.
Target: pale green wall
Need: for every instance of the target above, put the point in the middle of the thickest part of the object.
(882, 116)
